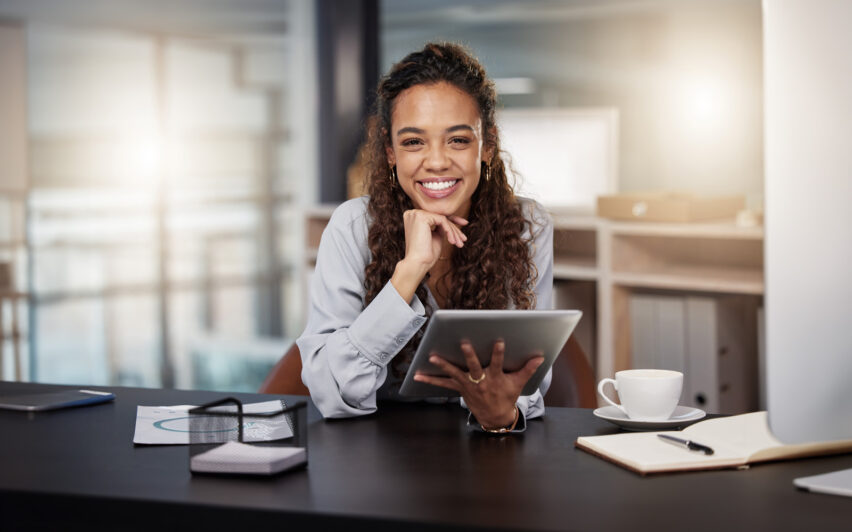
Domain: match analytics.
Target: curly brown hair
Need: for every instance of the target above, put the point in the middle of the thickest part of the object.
(495, 265)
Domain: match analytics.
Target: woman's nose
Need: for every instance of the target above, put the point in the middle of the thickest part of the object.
(437, 159)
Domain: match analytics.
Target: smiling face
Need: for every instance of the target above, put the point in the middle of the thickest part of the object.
(437, 147)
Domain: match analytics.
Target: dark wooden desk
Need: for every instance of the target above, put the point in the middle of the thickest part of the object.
(411, 467)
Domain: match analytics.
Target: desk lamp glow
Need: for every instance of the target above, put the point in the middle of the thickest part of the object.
(808, 118)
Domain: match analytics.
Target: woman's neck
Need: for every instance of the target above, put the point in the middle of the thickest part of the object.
(440, 281)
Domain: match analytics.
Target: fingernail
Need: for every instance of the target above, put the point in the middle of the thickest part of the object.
(433, 359)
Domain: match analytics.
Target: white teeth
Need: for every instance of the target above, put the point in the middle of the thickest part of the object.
(438, 185)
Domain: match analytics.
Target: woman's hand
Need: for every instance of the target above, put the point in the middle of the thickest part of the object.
(425, 233)
(492, 399)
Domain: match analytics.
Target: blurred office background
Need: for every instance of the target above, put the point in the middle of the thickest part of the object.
(156, 157)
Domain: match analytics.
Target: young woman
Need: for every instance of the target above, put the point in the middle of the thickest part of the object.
(441, 228)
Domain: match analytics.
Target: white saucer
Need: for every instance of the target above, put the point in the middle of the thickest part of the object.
(681, 416)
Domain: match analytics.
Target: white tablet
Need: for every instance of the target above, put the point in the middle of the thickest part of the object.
(527, 333)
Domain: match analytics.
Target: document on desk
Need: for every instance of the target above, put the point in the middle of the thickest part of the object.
(169, 425)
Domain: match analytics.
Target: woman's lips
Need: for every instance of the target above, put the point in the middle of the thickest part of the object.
(439, 192)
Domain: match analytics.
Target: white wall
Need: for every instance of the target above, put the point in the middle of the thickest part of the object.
(808, 105)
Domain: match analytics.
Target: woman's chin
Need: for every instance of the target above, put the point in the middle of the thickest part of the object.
(444, 207)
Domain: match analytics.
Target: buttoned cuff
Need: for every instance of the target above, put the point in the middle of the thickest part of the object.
(386, 325)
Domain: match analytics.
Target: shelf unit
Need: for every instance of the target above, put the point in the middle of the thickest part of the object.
(620, 258)
(626, 257)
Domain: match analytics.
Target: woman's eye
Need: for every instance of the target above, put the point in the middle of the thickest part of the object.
(412, 142)
(459, 140)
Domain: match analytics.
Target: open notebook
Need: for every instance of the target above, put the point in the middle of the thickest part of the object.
(737, 441)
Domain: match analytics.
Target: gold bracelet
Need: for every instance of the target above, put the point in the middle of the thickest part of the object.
(504, 430)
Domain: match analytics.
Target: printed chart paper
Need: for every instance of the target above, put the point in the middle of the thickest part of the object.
(169, 425)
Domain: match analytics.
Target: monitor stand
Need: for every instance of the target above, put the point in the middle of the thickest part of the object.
(834, 483)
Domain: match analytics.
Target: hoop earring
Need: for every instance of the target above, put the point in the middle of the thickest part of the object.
(487, 171)
(393, 177)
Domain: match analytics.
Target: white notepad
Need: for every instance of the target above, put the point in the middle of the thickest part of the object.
(240, 458)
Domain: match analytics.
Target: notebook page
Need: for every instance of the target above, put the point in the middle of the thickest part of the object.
(746, 434)
(645, 452)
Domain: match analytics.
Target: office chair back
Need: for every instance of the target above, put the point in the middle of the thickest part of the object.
(286, 377)
(573, 383)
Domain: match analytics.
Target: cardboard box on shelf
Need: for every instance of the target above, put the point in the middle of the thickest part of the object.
(669, 207)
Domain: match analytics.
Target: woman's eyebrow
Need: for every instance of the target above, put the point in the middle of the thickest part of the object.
(460, 127)
(415, 130)
(418, 131)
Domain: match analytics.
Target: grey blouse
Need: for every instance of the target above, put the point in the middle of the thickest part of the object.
(346, 346)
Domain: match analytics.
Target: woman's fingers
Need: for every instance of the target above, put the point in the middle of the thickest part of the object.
(447, 368)
(452, 232)
(458, 220)
(474, 368)
(449, 227)
(449, 234)
(461, 234)
(443, 382)
(497, 354)
(529, 368)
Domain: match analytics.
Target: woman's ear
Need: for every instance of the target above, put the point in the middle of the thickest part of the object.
(488, 155)
(388, 149)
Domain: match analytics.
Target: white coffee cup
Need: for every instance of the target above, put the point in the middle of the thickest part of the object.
(646, 394)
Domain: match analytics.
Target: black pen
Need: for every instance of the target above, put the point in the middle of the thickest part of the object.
(688, 444)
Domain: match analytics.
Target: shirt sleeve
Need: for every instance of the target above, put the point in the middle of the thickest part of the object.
(346, 347)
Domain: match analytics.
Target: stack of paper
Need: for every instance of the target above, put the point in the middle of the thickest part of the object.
(239, 458)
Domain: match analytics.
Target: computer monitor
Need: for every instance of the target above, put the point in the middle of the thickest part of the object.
(808, 251)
